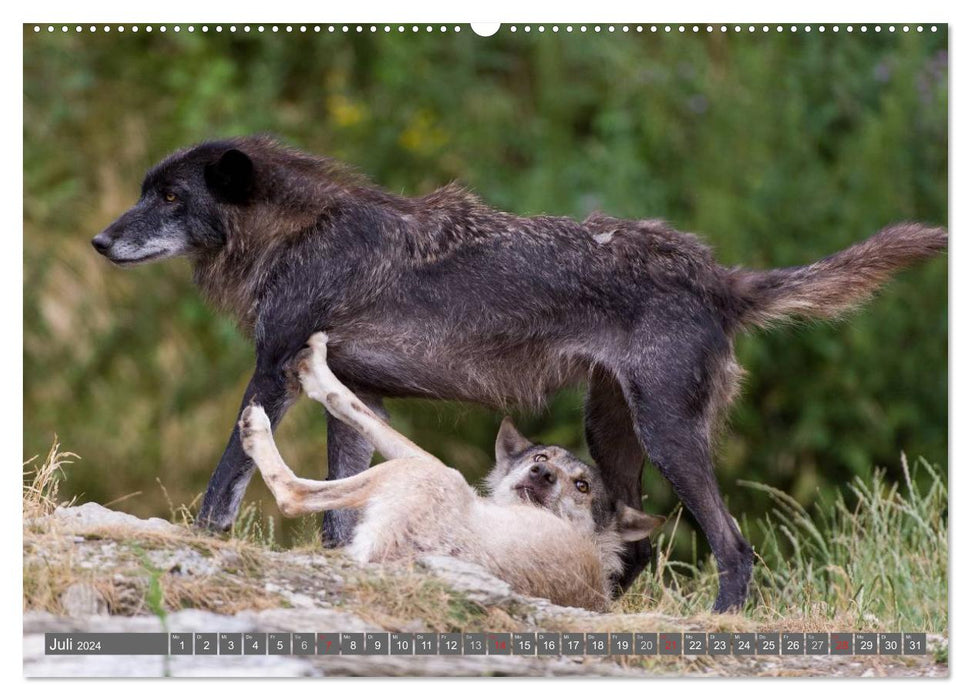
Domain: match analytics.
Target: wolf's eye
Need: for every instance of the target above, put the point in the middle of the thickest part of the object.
(170, 197)
(541, 458)
(582, 486)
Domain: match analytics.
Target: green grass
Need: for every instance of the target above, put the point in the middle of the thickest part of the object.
(875, 558)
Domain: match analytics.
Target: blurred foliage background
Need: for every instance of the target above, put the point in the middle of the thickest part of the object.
(777, 148)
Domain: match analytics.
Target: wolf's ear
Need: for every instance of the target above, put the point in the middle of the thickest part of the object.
(509, 442)
(231, 177)
(634, 524)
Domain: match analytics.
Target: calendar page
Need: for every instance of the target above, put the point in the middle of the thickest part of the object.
(515, 349)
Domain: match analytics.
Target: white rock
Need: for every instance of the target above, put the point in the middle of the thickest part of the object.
(91, 517)
(83, 599)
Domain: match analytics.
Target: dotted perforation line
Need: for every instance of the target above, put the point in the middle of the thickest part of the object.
(414, 28)
(245, 28)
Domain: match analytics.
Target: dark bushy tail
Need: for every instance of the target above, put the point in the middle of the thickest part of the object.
(837, 283)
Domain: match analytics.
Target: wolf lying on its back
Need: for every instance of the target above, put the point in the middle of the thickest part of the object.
(442, 296)
(549, 529)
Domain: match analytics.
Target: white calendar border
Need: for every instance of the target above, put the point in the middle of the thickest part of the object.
(494, 10)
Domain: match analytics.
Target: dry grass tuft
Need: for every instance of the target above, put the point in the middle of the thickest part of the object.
(397, 594)
(42, 481)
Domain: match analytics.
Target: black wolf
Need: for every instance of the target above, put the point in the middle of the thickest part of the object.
(442, 296)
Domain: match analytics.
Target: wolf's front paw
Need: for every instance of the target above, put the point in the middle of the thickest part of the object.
(298, 366)
(309, 376)
(254, 425)
(318, 343)
(311, 365)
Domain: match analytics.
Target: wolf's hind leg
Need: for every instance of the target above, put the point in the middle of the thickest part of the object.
(320, 384)
(616, 449)
(294, 495)
(678, 442)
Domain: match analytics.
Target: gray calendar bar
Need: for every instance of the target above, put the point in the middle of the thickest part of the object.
(426, 644)
(304, 644)
(793, 643)
(548, 643)
(597, 643)
(180, 643)
(841, 643)
(695, 643)
(254, 643)
(474, 643)
(670, 643)
(499, 644)
(376, 643)
(450, 644)
(865, 644)
(621, 643)
(328, 643)
(915, 643)
(572, 644)
(402, 644)
(767, 643)
(488, 643)
(719, 643)
(743, 643)
(645, 643)
(278, 643)
(105, 644)
(230, 644)
(524, 643)
(206, 643)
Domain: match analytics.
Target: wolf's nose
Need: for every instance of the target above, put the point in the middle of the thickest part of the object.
(101, 243)
(540, 472)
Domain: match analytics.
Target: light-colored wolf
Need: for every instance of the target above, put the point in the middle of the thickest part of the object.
(547, 528)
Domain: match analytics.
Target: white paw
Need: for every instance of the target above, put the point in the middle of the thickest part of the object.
(254, 424)
(312, 366)
(309, 379)
(318, 343)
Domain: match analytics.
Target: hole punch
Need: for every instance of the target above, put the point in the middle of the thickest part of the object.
(485, 29)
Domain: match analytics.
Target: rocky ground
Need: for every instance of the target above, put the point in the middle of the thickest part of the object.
(91, 569)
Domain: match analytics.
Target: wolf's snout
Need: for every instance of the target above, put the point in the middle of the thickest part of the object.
(541, 474)
(101, 242)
